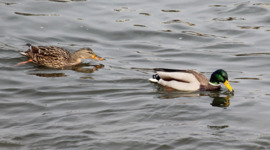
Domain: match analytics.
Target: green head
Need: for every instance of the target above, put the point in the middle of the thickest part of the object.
(220, 76)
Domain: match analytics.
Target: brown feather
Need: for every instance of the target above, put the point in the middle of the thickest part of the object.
(56, 57)
(51, 56)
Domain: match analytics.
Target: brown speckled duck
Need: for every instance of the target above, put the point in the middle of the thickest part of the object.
(56, 57)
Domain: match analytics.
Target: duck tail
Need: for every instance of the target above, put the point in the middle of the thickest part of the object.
(28, 44)
(24, 53)
(155, 78)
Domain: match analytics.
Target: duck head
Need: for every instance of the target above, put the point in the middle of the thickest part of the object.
(85, 53)
(221, 75)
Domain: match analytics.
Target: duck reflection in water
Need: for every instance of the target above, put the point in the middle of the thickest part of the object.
(83, 68)
(219, 98)
(223, 101)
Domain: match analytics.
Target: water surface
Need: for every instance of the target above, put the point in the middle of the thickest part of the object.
(110, 104)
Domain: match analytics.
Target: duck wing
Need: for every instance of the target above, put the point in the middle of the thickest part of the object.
(182, 80)
(50, 56)
(170, 70)
(176, 74)
(186, 80)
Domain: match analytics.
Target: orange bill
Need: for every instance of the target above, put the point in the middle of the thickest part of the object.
(97, 57)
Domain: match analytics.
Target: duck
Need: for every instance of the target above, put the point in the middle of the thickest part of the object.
(57, 57)
(190, 80)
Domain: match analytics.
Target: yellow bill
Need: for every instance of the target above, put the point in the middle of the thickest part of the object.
(228, 86)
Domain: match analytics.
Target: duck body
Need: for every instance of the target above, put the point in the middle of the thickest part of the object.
(56, 57)
(187, 80)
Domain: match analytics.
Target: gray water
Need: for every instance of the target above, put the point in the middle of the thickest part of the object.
(111, 104)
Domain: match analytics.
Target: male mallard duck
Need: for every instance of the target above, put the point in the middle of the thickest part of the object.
(56, 57)
(189, 80)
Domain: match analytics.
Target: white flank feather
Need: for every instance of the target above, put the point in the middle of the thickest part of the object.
(190, 82)
(153, 80)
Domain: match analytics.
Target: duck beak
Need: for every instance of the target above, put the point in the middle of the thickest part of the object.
(228, 86)
(97, 57)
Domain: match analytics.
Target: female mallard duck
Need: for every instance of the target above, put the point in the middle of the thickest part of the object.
(189, 80)
(56, 57)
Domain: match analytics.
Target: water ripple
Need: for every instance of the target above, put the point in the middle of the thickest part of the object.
(31, 14)
(111, 104)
